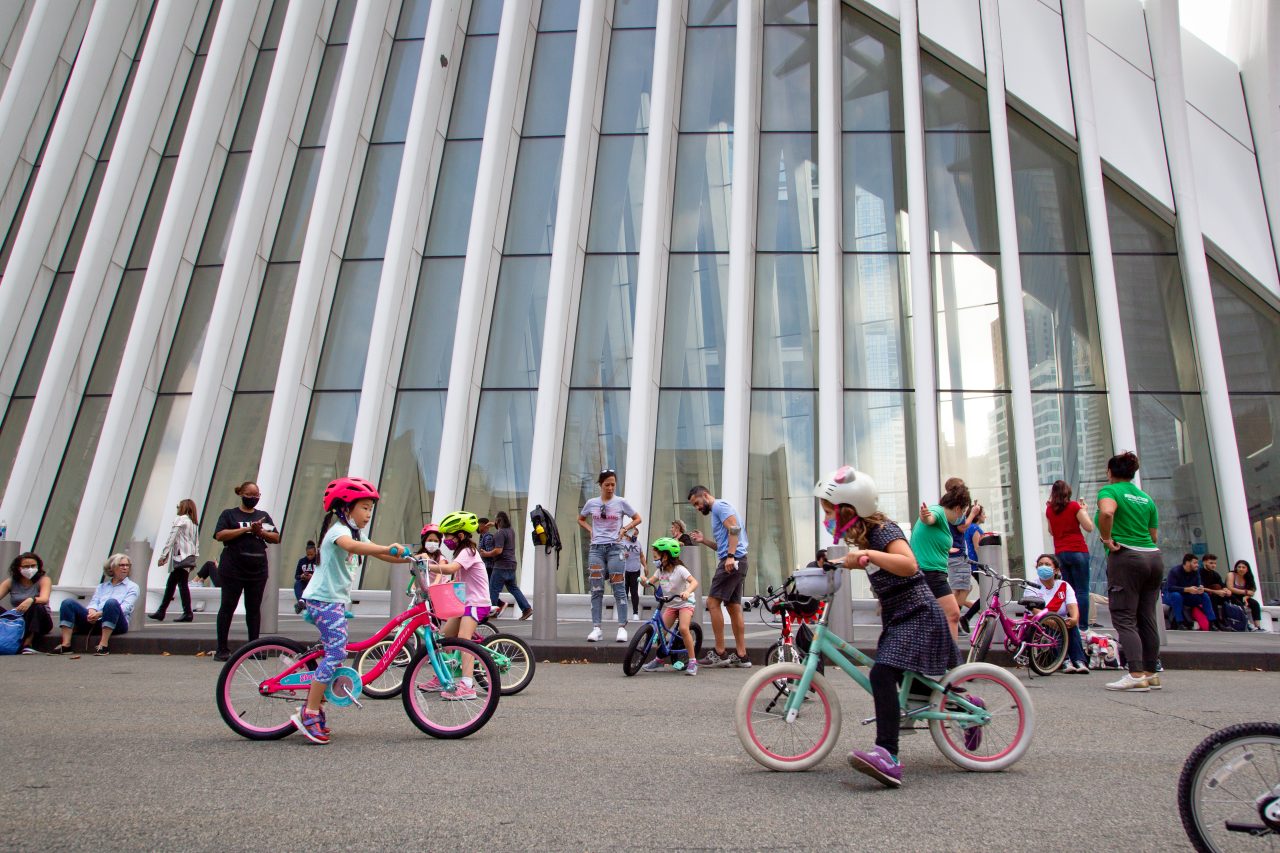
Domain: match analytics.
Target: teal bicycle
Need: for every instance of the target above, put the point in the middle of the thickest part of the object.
(788, 717)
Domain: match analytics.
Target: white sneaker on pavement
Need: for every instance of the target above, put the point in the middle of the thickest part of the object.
(596, 635)
(1130, 684)
(622, 634)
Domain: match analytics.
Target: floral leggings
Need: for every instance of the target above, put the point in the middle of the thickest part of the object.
(331, 618)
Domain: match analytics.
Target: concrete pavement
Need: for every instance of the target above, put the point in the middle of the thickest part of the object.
(129, 753)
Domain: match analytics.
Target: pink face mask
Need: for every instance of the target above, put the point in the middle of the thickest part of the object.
(451, 544)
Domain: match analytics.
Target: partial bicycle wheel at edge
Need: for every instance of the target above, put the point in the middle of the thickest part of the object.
(242, 705)
(1230, 788)
(520, 663)
(1046, 661)
(639, 650)
(446, 718)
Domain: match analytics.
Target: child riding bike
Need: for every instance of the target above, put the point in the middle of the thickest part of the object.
(915, 636)
(348, 504)
(468, 567)
(676, 583)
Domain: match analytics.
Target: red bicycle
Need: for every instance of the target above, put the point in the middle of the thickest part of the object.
(794, 614)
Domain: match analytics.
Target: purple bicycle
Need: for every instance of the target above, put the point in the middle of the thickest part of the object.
(1038, 639)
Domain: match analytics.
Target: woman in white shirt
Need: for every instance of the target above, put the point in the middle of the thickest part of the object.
(1060, 598)
(183, 549)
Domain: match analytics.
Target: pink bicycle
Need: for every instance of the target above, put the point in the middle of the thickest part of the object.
(264, 682)
(1037, 640)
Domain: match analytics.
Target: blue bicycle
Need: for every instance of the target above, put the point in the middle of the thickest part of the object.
(655, 639)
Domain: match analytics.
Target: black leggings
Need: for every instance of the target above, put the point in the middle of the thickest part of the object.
(177, 581)
(39, 621)
(232, 587)
(633, 590)
(885, 682)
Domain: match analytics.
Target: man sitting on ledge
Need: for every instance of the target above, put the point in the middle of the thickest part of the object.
(1184, 593)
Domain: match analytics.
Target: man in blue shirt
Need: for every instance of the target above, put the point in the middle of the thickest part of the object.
(726, 585)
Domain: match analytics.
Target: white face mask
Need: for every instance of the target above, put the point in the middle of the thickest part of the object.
(432, 547)
(29, 572)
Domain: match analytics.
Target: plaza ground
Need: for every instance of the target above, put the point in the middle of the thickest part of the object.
(128, 752)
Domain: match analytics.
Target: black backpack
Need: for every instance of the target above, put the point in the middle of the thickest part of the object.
(542, 527)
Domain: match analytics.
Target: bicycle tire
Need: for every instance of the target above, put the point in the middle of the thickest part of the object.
(781, 652)
(387, 685)
(639, 650)
(1047, 661)
(1008, 734)
(678, 644)
(243, 708)
(519, 673)
(446, 719)
(982, 645)
(484, 630)
(1204, 769)
(766, 734)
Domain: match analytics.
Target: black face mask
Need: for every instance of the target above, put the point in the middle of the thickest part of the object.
(705, 509)
(250, 502)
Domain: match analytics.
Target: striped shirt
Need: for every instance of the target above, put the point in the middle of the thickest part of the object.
(182, 540)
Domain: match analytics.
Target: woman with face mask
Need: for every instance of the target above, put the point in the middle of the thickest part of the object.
(1059, 597)
(28, 588)
(244, 531)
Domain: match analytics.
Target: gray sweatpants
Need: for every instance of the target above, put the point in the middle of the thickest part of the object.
(1134, 579)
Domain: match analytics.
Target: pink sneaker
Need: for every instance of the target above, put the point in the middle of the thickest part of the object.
(460, 691)
(432, 686)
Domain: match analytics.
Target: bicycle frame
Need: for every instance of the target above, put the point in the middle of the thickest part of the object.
(842, 654)
(663, 636)
(1015, 631)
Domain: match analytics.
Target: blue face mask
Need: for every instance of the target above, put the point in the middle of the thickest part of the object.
(1045, 573)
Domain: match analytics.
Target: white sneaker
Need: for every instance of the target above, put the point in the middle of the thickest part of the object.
(596, 635)
(622, 634)
(1130, 684)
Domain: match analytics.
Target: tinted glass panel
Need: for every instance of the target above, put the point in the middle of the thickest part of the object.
(703, 13)
(951, 100)
(217, 234)
(408, 478)
(42, 340)
(238, 460)
(871, 74)
(703, 192)
(706, 98)
(1063, 347)
(1159, 355)
(371, 221)
(111, 349)
(325, 454)
(781, 470)
(145, 512)
(962, 194)
(688, 451)
(548, 100)
(787, 218)
(347, 339)
(317, 126)
(879, 428)
(974, 444)
(967, 302)
(788, 100)
(266, 338)
(531, 223)
(693, 336)
(292, 230)
(471, 98)
(429, 349)
(1046, 190)
(188, 338)
(606, 317)
(515, 336)
(786, 322)
(1250, 333)
(1134, 228)
(634, 13)
(392, 121)
(876, 322)
(875, 192)
(619, 192)
(499, 475)
(455, 196)
(64, 501)
(627, 92)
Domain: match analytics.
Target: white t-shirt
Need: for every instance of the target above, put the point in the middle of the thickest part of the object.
(672, 585)
(1060, 589)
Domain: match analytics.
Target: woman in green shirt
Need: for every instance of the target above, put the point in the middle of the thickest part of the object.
(1127, 521)
(931, 542)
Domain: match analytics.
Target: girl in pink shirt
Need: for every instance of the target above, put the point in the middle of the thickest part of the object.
(467, 566)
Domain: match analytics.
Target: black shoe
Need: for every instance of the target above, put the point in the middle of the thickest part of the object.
(101, 651)
(964, 626)
(222, 656)
(186, 617)
(60, 650)
(299, 606)
(158, 616)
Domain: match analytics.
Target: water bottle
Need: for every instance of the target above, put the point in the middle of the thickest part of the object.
(4, 530)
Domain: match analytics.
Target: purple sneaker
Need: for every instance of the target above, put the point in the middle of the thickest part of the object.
(973, 736)
(879, 765)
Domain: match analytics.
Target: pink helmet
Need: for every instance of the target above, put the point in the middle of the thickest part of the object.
(430, 528)
(348, 490)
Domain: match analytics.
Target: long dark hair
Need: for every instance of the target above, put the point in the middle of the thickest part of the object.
(464, 540)
(338, 513)
(1059, 496)
(15, 568)
(1249, 582)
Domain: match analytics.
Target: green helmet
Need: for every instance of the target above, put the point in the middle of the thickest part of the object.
(667, 545)
(458, 521)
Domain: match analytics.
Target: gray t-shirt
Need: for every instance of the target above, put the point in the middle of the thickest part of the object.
(504, 538)
(606, 518)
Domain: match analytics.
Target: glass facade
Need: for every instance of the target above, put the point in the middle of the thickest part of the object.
(1071, 411)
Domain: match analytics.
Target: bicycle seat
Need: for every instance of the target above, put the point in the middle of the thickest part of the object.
(1031, 603)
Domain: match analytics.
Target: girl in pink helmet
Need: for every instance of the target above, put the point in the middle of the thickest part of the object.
(348, 504)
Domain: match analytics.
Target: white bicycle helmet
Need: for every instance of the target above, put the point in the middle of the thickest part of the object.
(848, 486)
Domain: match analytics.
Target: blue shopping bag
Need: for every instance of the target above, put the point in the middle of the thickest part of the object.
(12, 627)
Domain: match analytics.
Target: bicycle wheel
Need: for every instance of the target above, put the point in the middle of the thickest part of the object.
(763, 728)
(242, 705)
(518, 672)
(1051, 629)
(677, 645)
(445, 718)
(484, 631)
(783, 653)
(1229, 789)
(1005, 737)
(639, 650)
(982, 645)
(389, 683)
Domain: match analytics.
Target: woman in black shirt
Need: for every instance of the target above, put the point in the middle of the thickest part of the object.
(244, 532)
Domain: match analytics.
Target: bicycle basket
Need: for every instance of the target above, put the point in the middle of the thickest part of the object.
(816, 582)
(448, 599)
(803, 605)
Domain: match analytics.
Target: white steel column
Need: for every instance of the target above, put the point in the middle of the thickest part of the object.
(1095, 207)
(171, 43)
(1166, 50)
(355, 105)
(502, 123)
(740, 314)
(830, 258)
(924, 376)
(415, 196)
(49, 46)
(568, 256)
(88, 104)
(13, 23)
(178, 238)
(1011, 310)
(270, 169)
(653, 260)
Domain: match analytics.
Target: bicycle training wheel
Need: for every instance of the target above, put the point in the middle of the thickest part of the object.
(450, 718)
(639, 650)
(242, 705)
(982, 645)
(515, 661)
(1229, 789)
(388, 684)
(1051, 630)
(761, 720)
(1005, 737)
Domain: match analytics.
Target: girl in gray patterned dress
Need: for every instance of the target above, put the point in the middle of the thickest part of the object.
(915, 634)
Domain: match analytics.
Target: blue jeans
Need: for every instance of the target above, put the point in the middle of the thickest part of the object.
(1075, 647)
(1075, 571)
(504, 577)
(1179, 602)
(602, 559)
(74, 615)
